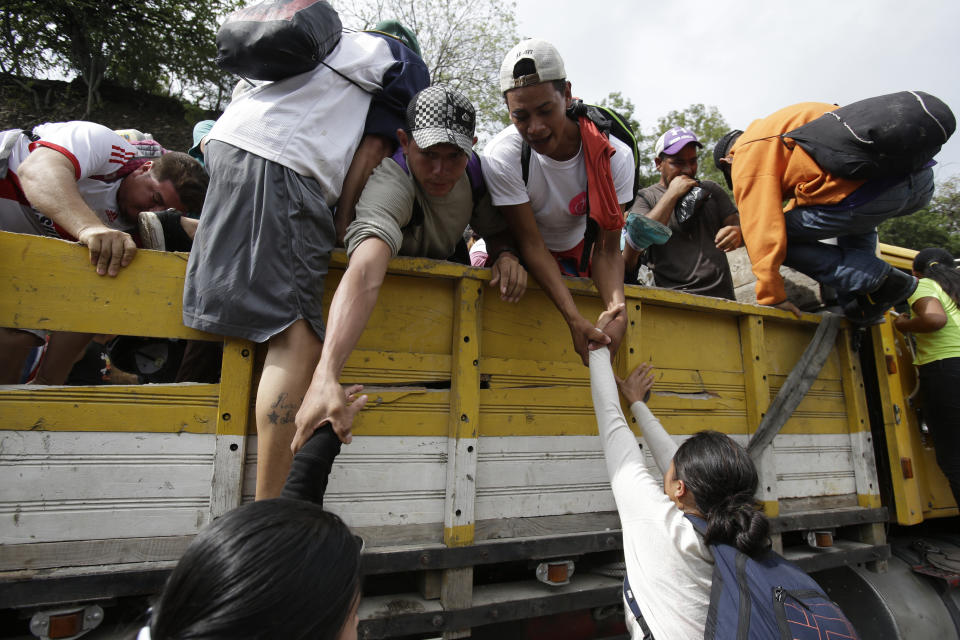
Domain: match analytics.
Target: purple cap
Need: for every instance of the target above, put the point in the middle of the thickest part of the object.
(675, 139)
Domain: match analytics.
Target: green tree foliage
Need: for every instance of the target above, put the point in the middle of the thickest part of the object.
(23, 42)
(142, 44)
(23, 38)
(709, 125)
(463, 44)
(936, 225)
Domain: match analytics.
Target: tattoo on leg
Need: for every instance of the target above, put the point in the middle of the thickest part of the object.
(283, 402)
(273, 417)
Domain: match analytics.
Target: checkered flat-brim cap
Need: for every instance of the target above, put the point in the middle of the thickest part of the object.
(438, 115)
(546, 60)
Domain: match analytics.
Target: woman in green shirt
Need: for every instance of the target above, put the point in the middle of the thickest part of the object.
(935, 321)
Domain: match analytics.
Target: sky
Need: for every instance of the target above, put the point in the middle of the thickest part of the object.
(749, 58)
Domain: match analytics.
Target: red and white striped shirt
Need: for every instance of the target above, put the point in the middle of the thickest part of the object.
(95, 152)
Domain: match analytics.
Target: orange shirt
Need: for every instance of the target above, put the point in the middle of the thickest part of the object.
(767, 171)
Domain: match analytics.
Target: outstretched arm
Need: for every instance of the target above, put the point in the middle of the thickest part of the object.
(634, 488)
(635, 389)
(49, 181)
(350, 310)
(607, 269)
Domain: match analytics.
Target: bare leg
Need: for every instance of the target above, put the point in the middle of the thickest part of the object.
(292, 356)
(63, 351)
(15, 346)
(189, 226)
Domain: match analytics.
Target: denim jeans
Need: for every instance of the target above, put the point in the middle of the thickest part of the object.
(851, 266)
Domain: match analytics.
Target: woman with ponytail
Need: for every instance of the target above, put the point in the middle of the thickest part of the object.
(935, 323)
(669, 565)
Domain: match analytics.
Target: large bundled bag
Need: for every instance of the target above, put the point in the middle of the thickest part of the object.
(276, 39)
(885, 136)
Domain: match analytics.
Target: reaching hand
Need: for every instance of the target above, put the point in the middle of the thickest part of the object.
(587, 338)
(728, 238)
(510, 275)
(613, 322)
(901, 322)
(786, 305)
(638, 384)
(110, 249)
(328, 401)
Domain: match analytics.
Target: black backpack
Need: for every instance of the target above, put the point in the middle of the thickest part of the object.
(763, 598)
(277, 39)
(885, 136)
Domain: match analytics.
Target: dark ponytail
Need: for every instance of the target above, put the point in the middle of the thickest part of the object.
(938, 265)
(723, 480)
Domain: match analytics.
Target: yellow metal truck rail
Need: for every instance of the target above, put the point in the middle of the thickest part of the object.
(480, 424)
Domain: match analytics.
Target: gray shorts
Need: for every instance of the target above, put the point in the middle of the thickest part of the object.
(262, 249)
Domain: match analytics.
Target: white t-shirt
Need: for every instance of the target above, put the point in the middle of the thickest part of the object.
(96, 153)
(669, 566)
(312, 122)
(557, 190)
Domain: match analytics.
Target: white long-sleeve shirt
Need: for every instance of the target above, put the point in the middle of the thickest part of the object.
(669, 567)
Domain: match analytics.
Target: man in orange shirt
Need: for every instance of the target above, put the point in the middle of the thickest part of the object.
(765, 170)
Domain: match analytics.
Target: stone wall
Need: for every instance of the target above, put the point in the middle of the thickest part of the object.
(801, 290)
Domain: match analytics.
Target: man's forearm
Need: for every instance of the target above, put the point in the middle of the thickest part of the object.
(607, 269)
(732, 220)
(50, 185)
(500, 242)
(352, 306)
(631, 261)
(662, 211)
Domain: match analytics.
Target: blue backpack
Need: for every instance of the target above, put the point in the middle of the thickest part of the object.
(763, 598)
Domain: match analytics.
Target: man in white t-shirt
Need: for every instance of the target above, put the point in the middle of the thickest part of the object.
(547, 202)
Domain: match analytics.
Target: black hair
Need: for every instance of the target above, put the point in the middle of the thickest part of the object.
(276, 568)
(189, 178)
(938, 265)
(526, 67)
(723, 480)
(722, 150)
